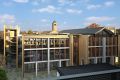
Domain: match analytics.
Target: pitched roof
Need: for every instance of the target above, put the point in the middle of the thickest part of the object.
(85, 31)
(81, 31)
(85, 69)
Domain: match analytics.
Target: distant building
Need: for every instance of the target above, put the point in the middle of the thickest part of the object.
(113, 29)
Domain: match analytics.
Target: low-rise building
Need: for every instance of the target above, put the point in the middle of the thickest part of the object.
(93, 45)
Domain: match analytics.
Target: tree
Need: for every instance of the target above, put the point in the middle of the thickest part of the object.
(30, 32)
(118, 31)
(3, 75)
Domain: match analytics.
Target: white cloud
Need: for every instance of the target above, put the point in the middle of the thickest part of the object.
(100, 19)
(91, 7)
(61, 1)
(44, 20)
(67, 2)
(109, 3)
(48, 9)
(96, 6)
(7, 19)
(38, 2)
(94, 19)
(21, 1)
(75, 11)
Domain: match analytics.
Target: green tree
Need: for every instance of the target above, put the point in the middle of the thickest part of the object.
(3, 75)
(30, 32)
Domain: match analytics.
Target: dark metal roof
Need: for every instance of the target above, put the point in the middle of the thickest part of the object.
(81, 31)
(85, 69)
(85, 31)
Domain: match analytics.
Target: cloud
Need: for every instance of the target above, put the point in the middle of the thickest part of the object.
(48, 9)
(94, 19)
(109, 3)
(61, 1)
(21, 1)
(100, 19)
(44, 20)
(91, 7)
(96, 6)
(67, 2)
(75, 11)
(38, 2)
(7, 19)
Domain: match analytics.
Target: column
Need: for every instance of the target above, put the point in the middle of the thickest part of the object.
(71, 49)
(95, 60)
(104, 50)
(48, 56)
(59, 63)
(36, 68)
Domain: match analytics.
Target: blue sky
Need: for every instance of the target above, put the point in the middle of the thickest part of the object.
(39, 14)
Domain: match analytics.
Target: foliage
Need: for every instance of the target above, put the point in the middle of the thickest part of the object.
(118, 31)
(3, 75)
(30, 32)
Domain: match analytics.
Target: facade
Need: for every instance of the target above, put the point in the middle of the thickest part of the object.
(11, 46)
(51, 49)
(45, 52)
(93, 45)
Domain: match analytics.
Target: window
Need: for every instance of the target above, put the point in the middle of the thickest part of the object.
(108, 60)
(51, 42)
(44, 55)
(52, 54)
(92, 61)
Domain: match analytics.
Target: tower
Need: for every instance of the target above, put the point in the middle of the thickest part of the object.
(54, 27)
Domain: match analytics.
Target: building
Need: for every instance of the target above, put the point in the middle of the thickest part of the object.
(45, 51)
(2, 47)
(89, 72)
(92, 45)
(113, 29)
(11, 46)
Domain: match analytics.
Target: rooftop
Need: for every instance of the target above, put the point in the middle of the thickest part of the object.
(85, 69)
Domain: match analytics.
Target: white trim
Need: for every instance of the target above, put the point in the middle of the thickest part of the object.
(35, 62)
(48, 56)
(46, 48)
(95, 46)
(60, 48)
(100, 30)
(94, 57)
(59, 60)
(46, 61)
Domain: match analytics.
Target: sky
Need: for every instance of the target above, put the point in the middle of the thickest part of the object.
(38, 15)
